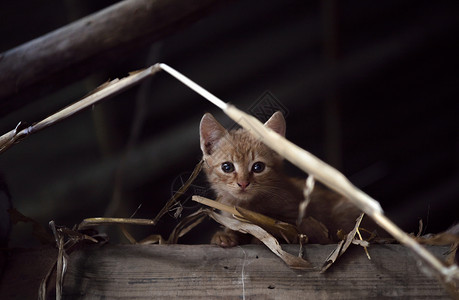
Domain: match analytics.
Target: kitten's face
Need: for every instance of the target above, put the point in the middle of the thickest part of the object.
(236, 163)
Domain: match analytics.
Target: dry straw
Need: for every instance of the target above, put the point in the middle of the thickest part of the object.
(298, 156)
(103, 92)
(327, 175)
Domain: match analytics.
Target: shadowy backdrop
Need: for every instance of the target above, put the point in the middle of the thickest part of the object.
(370, 87)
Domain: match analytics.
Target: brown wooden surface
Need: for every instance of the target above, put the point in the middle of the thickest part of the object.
(206, 271)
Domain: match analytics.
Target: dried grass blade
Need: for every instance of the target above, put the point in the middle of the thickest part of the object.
(179, 193)
(304, 160)
(309, 187)
(76, 236)
(362, 243)
(324, 173)
(273, 226)
(342, 246)
(91, 222)
(216, 205)
(187, 223)
(152, 239)
(292, 261)
(195, 87)
(61, 268)
(276, 227)
(44, 282)
(127, 235)
(103, 92)
(61, 265)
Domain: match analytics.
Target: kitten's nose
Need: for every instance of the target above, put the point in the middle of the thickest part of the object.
(243, 185)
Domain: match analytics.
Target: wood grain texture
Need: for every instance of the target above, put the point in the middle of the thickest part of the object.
(250, 272)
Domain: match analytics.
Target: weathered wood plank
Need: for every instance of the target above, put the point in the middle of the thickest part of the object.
(250, 272)
(206, 271)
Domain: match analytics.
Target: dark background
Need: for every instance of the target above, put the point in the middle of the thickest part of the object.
(369, 86)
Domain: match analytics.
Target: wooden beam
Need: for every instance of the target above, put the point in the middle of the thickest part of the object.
(83, 43)
(207, 271)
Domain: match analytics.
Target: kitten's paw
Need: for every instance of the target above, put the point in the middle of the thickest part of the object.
(225, 239)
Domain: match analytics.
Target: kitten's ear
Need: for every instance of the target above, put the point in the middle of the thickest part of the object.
(210, 132)
(277, 123)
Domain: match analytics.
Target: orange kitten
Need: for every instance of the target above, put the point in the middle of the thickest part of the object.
(245, 172)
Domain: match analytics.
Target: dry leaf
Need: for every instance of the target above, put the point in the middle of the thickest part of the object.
(273, 226)
(173, 200)
(152, 239)
(276, 227)
(342, 246)
(187, 223)
(292, 261)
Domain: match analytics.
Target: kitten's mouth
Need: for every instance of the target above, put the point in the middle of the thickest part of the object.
(243, 194)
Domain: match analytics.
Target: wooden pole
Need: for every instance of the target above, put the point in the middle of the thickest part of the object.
(125, 25)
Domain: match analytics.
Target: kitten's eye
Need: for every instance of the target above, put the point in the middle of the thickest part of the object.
(227, 167)
(258, 167)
